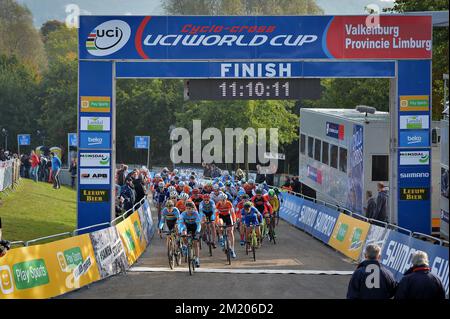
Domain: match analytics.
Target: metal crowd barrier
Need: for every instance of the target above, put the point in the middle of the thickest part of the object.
(371, 221)
(76, 231)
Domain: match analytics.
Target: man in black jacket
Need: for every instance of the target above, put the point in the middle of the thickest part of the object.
(371, 280)
(139, 187)
(418, 282)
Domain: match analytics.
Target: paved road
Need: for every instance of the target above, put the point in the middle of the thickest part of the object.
(295, 251)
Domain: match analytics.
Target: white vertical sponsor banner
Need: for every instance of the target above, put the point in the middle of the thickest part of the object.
(414, 122)
(415, 158)
(94, 176)
(376, 235)
(95, 159)
(101, 123)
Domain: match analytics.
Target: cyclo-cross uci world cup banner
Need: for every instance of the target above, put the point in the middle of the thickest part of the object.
(265, 37)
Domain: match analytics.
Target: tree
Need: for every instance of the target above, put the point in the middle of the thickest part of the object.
(58, 96)
(18, 89)
(18, 35)
(440, 47)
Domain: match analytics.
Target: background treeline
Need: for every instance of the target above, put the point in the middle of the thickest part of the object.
(38, 84)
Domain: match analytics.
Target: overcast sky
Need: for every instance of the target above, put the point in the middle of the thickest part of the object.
(44, 10)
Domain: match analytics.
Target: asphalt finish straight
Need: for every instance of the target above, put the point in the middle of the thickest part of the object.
(298, 266)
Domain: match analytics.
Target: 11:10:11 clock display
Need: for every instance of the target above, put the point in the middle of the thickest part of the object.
(252, 89)
(257, 89)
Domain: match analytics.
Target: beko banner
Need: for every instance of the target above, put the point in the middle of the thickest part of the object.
(254, 37)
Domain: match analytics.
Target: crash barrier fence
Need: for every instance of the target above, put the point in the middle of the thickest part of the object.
(350, 233)
(9, 174)
(51, 269)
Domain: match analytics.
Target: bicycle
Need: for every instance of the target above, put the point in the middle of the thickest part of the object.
(272, 229)
(173, 249)
(190, 253)
(209, 240)
(252, 244)
(226, 247)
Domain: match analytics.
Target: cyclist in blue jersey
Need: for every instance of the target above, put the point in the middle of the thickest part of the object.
(160, 197)
(190, 223)
(169, 216)
(250, 216)
(208, 208)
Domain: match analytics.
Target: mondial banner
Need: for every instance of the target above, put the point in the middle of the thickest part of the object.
(262, 37)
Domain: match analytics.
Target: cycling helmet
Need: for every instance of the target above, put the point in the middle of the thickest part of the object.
(228, 183)
(195, 191)
(190, 204)
(161, 184)
(215, 187)
(172, 189)
(169, 204)
(173, 194)
(251, 181)
(241, 193)
(158, 176)
(222, 196)
(172, 183)
(247, 205)
(258, 191)
(165, 169)
(175, 171)
(271, 193)
(184, 196)
(206, 196)
(181, 184)
(220, 184)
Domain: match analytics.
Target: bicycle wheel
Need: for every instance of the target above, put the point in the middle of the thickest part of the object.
(208, 238)
(170, 253)
(254, 243)
(227, 249)
(178, 255)
(272, 223)
(190, 261)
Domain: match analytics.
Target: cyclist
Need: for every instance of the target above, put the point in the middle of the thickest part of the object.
(251, 217)
(274, 202)
(179, 186)
(239, 206)
(192, 182)
(215, 193)
(183, 200)
(196, 198)
(174, 196)
(262, 204)
(160, 196)
(249, 187)
(190, 223)
(169, 216)
(208, 188)
(208, 208)
(226, 216)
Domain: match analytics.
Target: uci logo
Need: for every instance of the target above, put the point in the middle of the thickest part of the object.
(108, 37)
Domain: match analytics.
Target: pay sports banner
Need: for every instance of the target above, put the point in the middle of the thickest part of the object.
(399, 248)
(290, 207)
(254, 37)
(131, 233)
(349, 235)
(48, 270)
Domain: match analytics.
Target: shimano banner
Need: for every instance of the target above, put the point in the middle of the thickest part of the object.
(399, 248)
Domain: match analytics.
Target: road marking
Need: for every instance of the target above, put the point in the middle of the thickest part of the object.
(245, 271)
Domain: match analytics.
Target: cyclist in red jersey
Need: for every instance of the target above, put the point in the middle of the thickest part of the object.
(226, 216)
